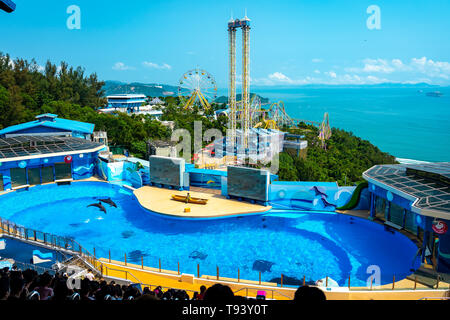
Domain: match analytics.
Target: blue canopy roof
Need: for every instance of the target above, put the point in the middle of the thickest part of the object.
(51, 121)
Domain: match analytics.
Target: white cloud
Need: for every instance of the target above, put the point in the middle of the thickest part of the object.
(377, 65)
(440, 69)
(121, 66)
(374, 79)
(428, 67)
(316, 60)
(373, 71)
(332, 78)
(278, 76)
(398, 64)
(153, 65)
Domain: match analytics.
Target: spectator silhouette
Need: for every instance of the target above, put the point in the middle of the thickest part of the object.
(218, 293)
(44, 290)
(4, 287)
(201, 295)
(307, 293)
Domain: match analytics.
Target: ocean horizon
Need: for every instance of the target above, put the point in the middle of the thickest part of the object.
(402, 121)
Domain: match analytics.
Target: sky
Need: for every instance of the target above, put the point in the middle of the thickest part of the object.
(291, 42)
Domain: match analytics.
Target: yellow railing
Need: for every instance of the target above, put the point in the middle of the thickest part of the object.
(248, 290)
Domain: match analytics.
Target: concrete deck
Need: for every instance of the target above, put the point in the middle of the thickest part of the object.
(159, 200)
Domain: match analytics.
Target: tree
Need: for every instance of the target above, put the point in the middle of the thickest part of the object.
(344, 161)
(287, 169)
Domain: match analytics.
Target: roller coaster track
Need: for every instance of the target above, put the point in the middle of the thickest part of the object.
(277, 117)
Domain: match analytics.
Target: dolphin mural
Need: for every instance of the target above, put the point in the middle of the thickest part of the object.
(327, 204)
(98, 205)
(319, 191)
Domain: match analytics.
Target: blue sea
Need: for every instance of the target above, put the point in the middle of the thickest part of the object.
(401, 121)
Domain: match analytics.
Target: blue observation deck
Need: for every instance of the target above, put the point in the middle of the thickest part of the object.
(235, 24)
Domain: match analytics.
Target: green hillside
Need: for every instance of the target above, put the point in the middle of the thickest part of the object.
(149, 89)
(224, 99)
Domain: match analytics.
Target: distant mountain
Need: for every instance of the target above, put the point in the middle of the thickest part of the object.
(149, 89)
(224, 99)
(156, 90)
(346, 86)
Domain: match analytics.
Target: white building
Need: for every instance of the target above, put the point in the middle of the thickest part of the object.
(126, 102)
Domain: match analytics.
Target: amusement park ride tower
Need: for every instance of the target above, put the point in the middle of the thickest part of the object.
(233, 25)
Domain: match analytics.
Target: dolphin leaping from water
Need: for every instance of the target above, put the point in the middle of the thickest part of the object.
(98, 205)
(109, 201)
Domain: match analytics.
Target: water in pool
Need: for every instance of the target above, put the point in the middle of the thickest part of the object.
(292, 243)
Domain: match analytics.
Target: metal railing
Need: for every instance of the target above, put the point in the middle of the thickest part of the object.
(273, 291)
(63, 245)
(24, 266)
(396, 284)
(70, 246)
(106, 271)
(150, 286)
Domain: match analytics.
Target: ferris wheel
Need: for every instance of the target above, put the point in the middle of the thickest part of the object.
(197, 86)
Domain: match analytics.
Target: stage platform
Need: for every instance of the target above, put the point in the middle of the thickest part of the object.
(159, 200)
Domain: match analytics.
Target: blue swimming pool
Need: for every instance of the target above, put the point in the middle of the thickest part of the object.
(292, 243)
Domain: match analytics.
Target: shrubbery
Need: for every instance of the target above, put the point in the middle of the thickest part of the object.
(345, 159)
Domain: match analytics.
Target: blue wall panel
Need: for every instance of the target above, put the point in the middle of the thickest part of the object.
(385, 194)
(319, 196)
(82, 166)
